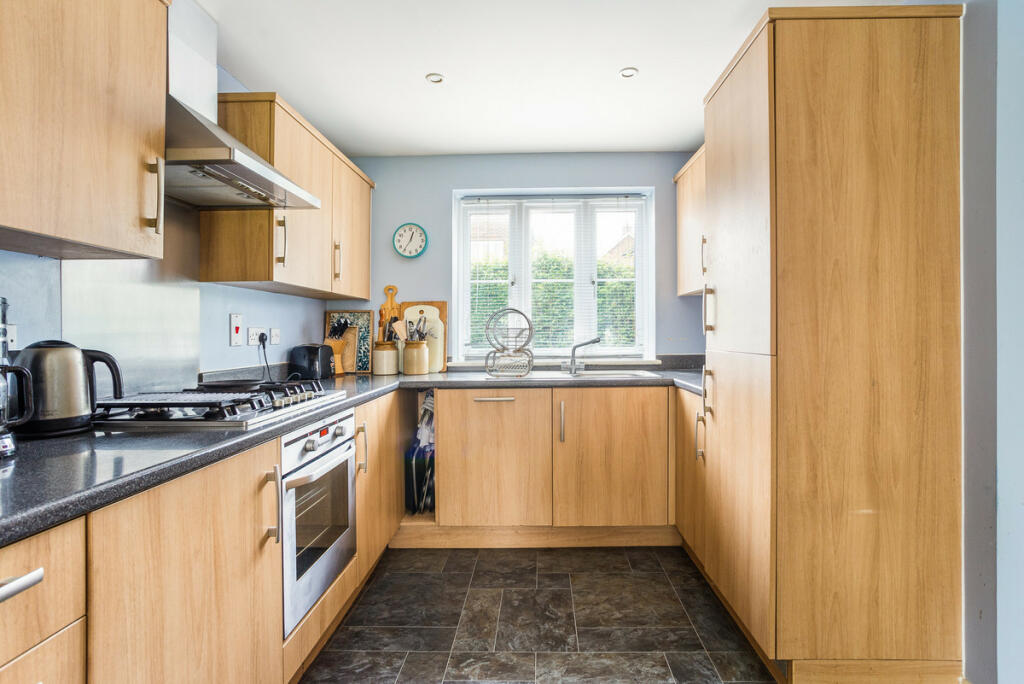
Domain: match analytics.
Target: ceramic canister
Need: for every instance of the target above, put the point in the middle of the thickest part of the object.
(417, 357)
(385, 358)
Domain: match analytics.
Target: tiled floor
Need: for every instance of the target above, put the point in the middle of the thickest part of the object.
(537, 615)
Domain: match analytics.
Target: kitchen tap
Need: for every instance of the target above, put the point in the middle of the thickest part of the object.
(572, 368)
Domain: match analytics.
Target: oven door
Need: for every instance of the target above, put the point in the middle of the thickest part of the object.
(319, 537)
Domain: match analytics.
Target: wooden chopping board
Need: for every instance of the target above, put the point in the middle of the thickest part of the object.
(437, 346)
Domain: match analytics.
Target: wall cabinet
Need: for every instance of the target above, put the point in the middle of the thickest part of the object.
(610, 456)
(690, 226)
(314, 252)
(82, 115)
(184, 584)
(496, 468)
(832, 488)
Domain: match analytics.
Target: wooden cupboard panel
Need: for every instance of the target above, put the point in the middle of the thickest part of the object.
(84, 87)
(350, 253)
(396, 420)
(611, 468)
(869, 314)
(252, 123)
(875, 672)
(369, 491)
(184, 585)
(60, 659)
(738, 126)
(39, 611)
(691, 471)
(493, 457)
(304, 241)
(690, 201)
(740, 489)
(526, 537)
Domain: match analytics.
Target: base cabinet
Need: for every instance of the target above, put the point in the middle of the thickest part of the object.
(610, 456)
(691, 469)
(496, 468)
(184, 583)
(60, 659)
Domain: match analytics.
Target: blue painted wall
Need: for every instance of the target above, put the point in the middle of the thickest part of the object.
(419, 189)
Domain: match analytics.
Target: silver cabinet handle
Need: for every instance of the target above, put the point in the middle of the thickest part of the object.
(366, 447)
(698, 453)
(322, 471)
(703, 243)
(283, 222)
(159, 168)
(704, 373)
(561, 428)
(490, 399)
(337, 252)
(275, 477)
(12, 586)
(704, 308)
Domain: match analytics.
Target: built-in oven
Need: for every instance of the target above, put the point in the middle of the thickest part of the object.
(317, 510)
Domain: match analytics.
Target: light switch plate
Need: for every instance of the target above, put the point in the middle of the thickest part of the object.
(237, 335)
(254, 335)
(275, 336)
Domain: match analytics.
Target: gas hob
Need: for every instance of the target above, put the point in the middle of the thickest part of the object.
(243, 408)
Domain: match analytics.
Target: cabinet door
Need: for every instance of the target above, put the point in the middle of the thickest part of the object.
(396, 426)
(302, 237)
(369, 490)
(690, 200)
(740, 503)
(494, 457)
(61, 658)
(82, 114)
(691, 470)
(740, 221)
(183, 583)
(610, 456)
(350, 266)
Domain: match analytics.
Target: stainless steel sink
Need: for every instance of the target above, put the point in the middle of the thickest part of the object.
(556, 375)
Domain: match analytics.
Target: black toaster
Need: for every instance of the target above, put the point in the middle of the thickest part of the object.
(311, 362)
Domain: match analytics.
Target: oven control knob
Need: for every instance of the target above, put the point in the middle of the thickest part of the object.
(310, 445)
(279, 403)
(340, 431)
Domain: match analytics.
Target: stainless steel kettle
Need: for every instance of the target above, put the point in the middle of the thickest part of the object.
(64, 386)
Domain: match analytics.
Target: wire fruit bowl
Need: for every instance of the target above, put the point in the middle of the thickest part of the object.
(509, 331)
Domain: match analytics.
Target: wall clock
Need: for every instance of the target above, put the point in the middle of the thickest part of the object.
(410, 240)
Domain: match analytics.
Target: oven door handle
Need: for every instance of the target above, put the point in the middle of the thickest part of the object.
(323, 468)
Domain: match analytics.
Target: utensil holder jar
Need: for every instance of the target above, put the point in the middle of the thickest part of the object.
(417, 357)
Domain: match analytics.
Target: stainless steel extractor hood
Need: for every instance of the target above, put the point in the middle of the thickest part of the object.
(208, 168)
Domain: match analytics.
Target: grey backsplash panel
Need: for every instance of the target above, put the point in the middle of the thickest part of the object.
(144, 312)
(31, 285)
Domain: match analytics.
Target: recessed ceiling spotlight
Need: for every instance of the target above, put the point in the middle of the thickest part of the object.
(628, 72)
(434, 77)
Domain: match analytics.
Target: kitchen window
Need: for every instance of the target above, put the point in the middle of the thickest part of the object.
(578, 265)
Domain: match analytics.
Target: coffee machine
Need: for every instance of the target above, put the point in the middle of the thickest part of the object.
(8, 373)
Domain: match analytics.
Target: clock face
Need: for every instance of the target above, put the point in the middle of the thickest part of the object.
(410, 240)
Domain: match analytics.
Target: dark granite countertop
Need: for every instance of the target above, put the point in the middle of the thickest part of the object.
(51, 481)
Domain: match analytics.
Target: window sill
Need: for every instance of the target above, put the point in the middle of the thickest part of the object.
(556, 364)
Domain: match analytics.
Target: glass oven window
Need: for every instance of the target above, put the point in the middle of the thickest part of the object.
(321, 516)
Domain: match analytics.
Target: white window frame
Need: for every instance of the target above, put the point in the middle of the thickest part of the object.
(584, 292)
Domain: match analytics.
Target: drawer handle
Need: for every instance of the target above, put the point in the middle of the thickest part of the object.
(274, 477)
(561, 421)
(158, 167)
(703, 244)
(704, 373)
(494, 398)
(12, 586)
(704, 308)
(337, 252)
(698, 453)
(283, 222)
(366, 447)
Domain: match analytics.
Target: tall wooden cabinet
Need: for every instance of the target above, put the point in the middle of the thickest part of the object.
(82, 114)
(691, 238)
(832, 486)
(691, 469)
(184, 585)
(321, 252)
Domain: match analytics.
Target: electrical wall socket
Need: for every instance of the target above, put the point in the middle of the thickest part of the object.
(236, 335)
(254, 335)
(275, 336)
(12, 336)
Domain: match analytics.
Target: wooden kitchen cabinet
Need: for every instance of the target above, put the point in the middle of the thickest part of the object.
(493, 457)
(739, 495)
(690, 231)
(691, 469)
(184, 583)
(610, 456)
(82, 115)
(738, 129)
(291, 250)
(350, 249)
(61, 659)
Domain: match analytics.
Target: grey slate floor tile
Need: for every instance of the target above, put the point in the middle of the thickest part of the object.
(412, 600)
(505, 569)
(582, 560)
(424, 668)
(338, 667)
(602, 667)
(740, 666)
(693, 667)
(479, 623)
(632, 639)
(493, 667)
(391, 639)
(626, 600)
(536, 620)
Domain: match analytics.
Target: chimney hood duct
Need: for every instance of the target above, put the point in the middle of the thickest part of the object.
(210, 169)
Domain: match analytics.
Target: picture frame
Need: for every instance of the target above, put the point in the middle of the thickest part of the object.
(347, 359)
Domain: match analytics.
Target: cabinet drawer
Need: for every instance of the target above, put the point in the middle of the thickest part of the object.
(58, 660)
(33, 614)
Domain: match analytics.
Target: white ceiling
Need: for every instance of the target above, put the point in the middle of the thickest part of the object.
(521, 75)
